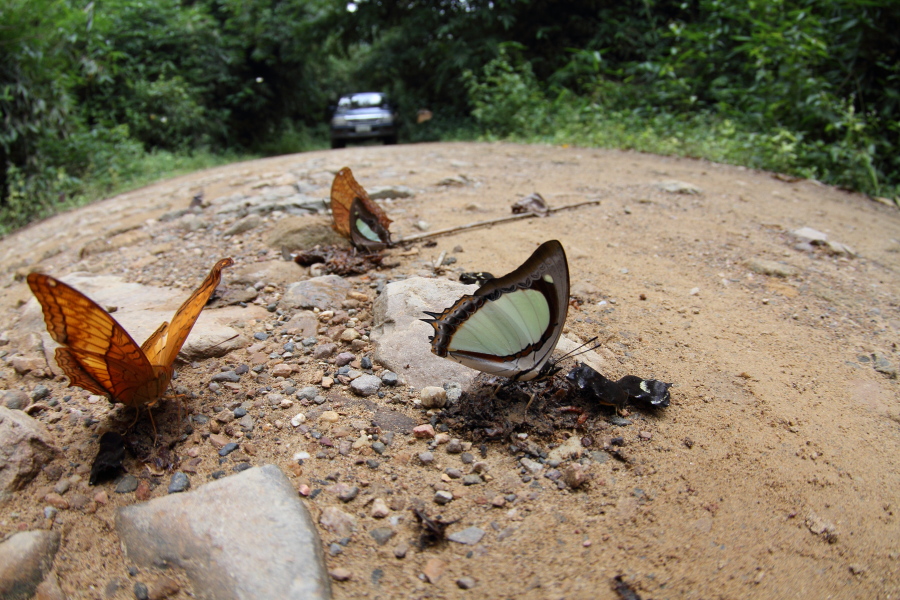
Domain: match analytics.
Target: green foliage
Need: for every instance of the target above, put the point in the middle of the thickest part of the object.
(507, 100)
(96, 95)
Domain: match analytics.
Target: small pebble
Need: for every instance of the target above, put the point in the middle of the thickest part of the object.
(179, 483)
(465, 583)
(344, 358)
(140, 591)
(390, 378)
(380, 509)
(340, 574)
(423, 431)
(454, 446)
(382, 535)
(433, 397)
(401, 549)
(348, 494)
(40, 392)
(227, 449)
(426, 458)
(442, 497)
(127, 484)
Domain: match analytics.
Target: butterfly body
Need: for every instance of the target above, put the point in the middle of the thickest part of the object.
(511, 324)
(355, 216)
(98, 355)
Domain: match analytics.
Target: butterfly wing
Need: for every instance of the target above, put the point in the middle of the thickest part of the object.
(366, 230)
(511, 324)
(97, 354)
(163, 346)
(355, 216)
(342, 194)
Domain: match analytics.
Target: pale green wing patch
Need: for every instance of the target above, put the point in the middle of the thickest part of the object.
(363, 228)
(505, 326)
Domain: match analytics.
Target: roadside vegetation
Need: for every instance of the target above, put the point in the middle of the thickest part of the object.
(98, 97)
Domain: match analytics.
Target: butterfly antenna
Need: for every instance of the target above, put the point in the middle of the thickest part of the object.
(579, 350)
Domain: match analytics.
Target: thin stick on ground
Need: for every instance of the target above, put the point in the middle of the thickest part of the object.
(475, 225)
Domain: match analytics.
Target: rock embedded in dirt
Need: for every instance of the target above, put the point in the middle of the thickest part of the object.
(180, 482)
(319, 292)
(423, 431)
(366, 385)
(469, 536)
(336, 521)
(382, 535)
(771, 267)
(185, 531)
(26, 558)
(15, 400)
(433, 397)
(25, 447)
(399, 333)
(243, 225)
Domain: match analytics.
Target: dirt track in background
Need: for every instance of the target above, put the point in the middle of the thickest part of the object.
(775, 472)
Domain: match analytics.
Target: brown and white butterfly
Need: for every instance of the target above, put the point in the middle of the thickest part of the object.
(98, 355)
(355, 216)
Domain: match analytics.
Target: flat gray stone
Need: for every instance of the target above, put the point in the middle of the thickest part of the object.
(243, 225)
(469, 536)
(771, 267)
(15, 400)
(324, 293)
(401, 338)
(679, 187)
(25, 447)
(810, 235)
(25, 560)
(366, 385)
(383, 192)
(244, 536)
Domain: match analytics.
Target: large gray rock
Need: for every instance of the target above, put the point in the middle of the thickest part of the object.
(326, 292)
(244, 536)
(25, 560)
(25, 447)
(401, 337)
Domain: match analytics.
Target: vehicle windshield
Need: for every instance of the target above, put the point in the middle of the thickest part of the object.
(369, 100)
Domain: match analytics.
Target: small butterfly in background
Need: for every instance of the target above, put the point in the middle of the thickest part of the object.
(511, 324)
(355, 216)
(98, 355)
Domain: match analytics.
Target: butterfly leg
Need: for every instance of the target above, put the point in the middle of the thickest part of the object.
(530, 400)
(153, 425)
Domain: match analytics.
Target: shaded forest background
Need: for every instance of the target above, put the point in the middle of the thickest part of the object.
(96, 97)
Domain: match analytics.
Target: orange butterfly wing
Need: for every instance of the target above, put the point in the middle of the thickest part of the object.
(163, 346)
(344, 190)
(97, 354)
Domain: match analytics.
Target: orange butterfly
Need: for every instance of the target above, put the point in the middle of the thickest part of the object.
(356, 216)
(97, 354)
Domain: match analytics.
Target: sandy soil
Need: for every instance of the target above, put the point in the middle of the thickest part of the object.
(775, 472)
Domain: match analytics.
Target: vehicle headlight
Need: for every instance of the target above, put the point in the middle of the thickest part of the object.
(338, 121)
